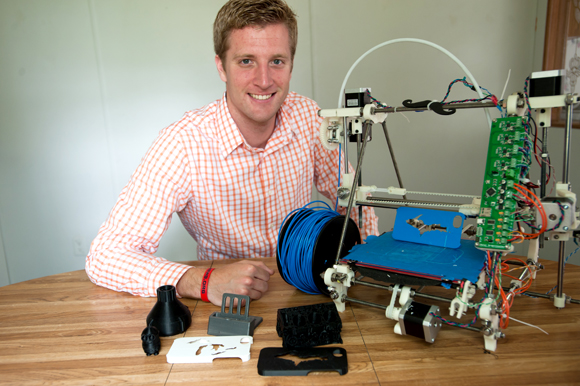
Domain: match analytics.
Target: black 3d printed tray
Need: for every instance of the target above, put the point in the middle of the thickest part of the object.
(309, 326)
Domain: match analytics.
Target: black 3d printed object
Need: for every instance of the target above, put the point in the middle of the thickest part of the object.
(169, 315)
(270, 362)
(150, 340)
(309, 326)
(233, 323)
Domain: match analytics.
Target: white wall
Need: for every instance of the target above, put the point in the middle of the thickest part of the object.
(85, 86)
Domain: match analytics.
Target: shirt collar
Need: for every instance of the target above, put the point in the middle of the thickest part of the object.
(231, 138)
(227, 131)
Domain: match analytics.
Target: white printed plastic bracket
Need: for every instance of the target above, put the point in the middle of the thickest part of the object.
(206, 349)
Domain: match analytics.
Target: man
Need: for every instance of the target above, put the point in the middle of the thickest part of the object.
(232, 170)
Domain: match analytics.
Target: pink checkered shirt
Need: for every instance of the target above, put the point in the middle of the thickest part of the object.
(230, 197)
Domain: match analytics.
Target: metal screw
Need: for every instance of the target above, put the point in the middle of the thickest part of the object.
(565, 228)
(553, 217)
(556, 237)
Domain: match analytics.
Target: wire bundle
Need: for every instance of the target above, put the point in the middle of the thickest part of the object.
(297, 241)
(536, 202)
(501, 269)
(487, 96)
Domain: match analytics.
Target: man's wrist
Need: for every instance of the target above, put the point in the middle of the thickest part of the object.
(189, 284)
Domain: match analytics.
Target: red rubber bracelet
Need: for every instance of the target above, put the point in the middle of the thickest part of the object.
(204, 283)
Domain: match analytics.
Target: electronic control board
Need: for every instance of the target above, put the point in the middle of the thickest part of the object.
(505, 160)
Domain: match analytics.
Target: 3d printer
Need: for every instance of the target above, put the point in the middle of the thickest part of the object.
(429, 245)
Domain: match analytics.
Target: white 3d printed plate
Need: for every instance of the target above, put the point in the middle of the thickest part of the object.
(206, 349)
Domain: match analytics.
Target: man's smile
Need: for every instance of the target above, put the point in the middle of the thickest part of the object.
(261, 97)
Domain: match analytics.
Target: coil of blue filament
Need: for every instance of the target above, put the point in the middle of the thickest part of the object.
(308, 242)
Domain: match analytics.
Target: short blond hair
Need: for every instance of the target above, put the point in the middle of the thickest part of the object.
(238, 14)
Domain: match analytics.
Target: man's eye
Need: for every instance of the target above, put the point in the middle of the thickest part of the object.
(277, 62)
(245, 61)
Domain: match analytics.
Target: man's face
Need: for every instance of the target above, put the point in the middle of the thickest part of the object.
(257, 69)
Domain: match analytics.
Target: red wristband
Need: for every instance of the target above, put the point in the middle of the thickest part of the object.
(204, 282)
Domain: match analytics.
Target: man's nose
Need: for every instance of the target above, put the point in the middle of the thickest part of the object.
(263, 77)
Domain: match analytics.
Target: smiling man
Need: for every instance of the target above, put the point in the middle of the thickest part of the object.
(231, 170)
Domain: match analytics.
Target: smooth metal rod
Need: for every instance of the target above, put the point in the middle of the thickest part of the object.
(395, 165)
(352, 193)
(413, 293)
(385, 307)
(562, 251)
(561, 264)
(374, 285)
(467, 105)
(375, 305)
(544, 166)
(543, 173)
(530, 293)
(468, 328)
(523, 275)
(569, 112)
(344, 145)
(544, 296)
(432, 297)
(359, 182)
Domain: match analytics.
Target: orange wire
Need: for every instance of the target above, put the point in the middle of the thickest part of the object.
(507, 303)
(537, 204)
(533, 235)
(525, 287)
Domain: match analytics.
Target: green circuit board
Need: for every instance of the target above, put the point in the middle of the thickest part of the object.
(504, 163)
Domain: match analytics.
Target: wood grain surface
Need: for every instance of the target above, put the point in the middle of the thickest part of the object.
(64, 330)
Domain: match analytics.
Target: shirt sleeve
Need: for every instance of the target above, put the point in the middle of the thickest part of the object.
(121, 256)
(326, 182)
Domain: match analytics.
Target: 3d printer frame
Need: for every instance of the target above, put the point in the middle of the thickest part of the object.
(424, 321)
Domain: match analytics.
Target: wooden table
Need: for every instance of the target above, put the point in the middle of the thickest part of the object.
(64, 330)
